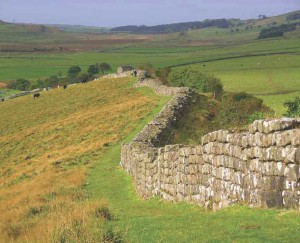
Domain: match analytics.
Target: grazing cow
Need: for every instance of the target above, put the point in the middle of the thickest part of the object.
(2, 99)
(37, 95)
(65, 86)
(204, 65)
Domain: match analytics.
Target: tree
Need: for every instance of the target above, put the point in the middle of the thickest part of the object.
(84, 78)
(51, 81)
(22, 84)
(193, 77)
(93, 69)
(37, 84)
(74, 71)
(213, 85)
(293, 107)
(59, 74)
(104, 67)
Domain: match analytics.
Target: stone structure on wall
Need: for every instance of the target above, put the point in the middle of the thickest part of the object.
(123, 69)
(259, 167)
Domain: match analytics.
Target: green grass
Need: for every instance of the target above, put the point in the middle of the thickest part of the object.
(8, 92)
(38, 65)
(274, 78)
(155, 220)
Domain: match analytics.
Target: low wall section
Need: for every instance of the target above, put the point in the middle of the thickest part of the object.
(259, 167)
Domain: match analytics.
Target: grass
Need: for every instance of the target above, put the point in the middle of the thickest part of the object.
(267, 68)
(155, 220)
(8, 92)
(48, 144)
(273, 78)
(39, 65)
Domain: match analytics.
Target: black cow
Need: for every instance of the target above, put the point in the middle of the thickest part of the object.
(2, 99)
(37, 95)
(65, 86)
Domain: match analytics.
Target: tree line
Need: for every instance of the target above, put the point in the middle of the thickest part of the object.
(74, 75)
(293, 16)
(277, 31)
(171, 28)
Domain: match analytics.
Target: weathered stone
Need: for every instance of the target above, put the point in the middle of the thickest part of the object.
(254, 167)
(295, 141)
(272, 199)
(291, 172)
(297, 156)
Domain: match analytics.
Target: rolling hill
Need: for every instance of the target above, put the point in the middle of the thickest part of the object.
(47, 148)
(262, 22)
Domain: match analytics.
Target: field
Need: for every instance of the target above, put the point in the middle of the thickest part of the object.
(268, 68)
(60, 168)
(47, 146)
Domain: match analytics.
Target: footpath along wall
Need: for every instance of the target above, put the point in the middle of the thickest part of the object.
(259, 167)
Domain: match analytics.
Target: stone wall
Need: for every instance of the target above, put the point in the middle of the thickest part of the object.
(259, 167)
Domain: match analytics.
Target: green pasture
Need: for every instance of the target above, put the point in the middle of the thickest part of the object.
(274, 78)
(268, 68)
(39, 65)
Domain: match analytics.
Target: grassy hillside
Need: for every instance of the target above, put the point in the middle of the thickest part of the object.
(42, 38)
(47, 147)
(61, 181)
(270, 21)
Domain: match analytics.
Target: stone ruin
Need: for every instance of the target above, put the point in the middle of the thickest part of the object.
(259, 167)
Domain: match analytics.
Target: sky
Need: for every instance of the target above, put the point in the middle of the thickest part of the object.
(112, 13)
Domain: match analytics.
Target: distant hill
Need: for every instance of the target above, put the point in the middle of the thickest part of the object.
(171, 28)
(261, 22)
(36, 28)
(80, 28)
(23, 28)
(275, 20)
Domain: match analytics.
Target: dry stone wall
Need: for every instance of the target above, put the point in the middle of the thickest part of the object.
(259, 167)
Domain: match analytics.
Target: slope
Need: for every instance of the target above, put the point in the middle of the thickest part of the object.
(47, 145)
(61, 181)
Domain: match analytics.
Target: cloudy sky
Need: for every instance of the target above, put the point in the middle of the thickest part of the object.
(110, 13)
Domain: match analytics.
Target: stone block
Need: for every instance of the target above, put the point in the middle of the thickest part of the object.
(205, 180)
(272, 199)
(251, 140)
(297, 156)
(289, 154)
(260, 126)
(291, 199)
(283, 138)
(258, 139)
(291, 172)
(273, 183)
(192, 159)
(245, 141)
(295, 141)
(199, 150)
(238, 178)
(227, 174)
